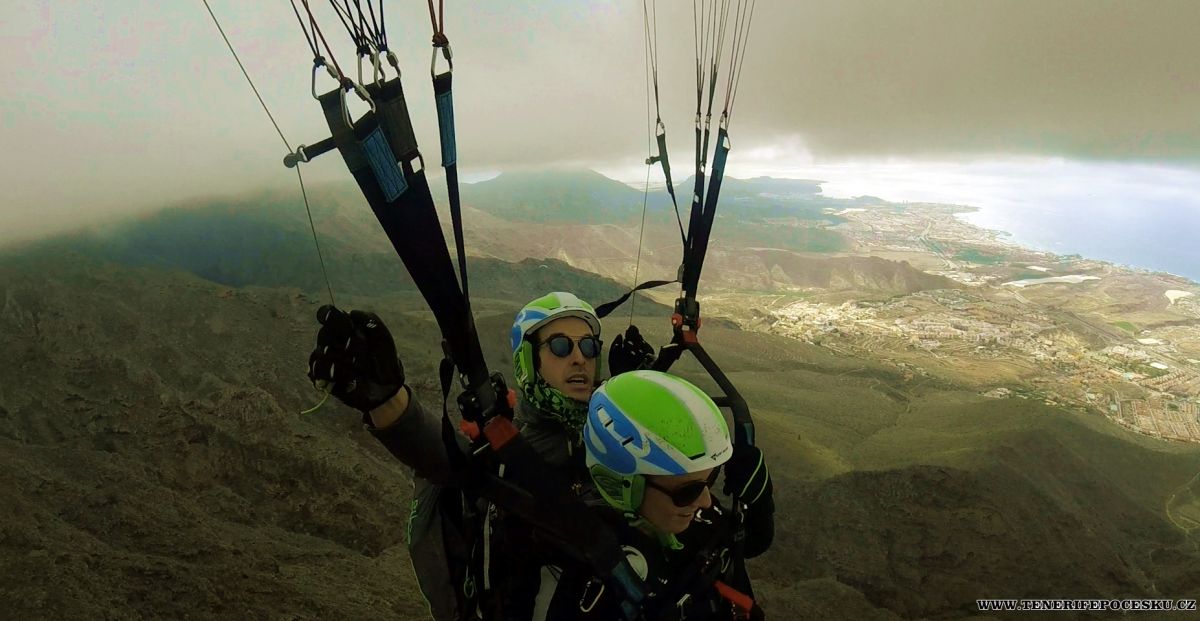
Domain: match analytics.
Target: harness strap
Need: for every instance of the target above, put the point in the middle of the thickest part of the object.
(398, 193)
(542, 497)
(702, 221)
(392, 111)
(607, 308)
(703, 572)
(444, 97)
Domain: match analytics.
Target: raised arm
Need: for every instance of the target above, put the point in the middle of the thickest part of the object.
(355, 360)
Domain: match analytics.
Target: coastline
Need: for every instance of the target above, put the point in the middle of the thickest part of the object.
(977, 217)
(1112, 339)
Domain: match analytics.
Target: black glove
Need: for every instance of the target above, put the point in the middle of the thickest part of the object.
(629, 353)
(356, 356)
(746, 475)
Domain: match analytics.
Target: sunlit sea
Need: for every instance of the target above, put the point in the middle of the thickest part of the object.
(1140, 215)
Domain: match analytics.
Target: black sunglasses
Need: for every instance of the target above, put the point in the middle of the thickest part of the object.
(688, 493)
(562, 345)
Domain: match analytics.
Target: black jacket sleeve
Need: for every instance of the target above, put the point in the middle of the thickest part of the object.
(760, 523)
(416, 440)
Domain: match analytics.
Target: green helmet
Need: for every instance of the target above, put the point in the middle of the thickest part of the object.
(648, 422)
(536, 314)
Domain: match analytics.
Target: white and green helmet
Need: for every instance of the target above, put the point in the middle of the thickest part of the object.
(533, 316)
(650, 423)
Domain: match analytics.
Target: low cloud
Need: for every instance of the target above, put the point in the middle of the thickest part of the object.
(108, 116)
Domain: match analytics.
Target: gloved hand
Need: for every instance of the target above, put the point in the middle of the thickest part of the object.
(356, 357)
(629, 353)
(746, 475)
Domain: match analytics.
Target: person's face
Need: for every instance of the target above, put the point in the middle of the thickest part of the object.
(660, 510)
(575, 374)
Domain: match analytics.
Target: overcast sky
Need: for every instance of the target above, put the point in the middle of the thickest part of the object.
(119, 105)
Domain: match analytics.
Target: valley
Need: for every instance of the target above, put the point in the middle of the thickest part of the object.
(923, 290)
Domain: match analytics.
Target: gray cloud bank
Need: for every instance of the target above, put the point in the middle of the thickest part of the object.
(908, 78)
(137, 104)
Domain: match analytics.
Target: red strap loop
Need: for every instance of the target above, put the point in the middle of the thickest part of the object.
(469, 429)
(740, 600)
(499, 431)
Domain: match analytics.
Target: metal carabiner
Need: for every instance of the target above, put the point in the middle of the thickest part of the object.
(316, 66)
(394, 62)
(345, 108)
(377, 68)
(319, 62)
(448, 54)
(363, 94)
(583, 598)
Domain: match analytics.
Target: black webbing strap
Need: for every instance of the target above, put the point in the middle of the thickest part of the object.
(444, 97)
(399, 196)
(458, 461)
(701, 229)
(392, 113)
(605, 309)
(712, 56)
(697, 189)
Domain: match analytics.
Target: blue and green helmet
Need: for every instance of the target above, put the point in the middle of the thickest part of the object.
(537, 392)
(650, 423)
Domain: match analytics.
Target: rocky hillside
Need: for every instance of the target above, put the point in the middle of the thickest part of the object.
(157, 465)
(769, 269)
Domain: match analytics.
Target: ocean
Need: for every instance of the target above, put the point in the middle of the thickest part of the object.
(1140, 215)
(1146, 232)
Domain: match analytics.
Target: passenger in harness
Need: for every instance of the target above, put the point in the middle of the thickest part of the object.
(654, 444)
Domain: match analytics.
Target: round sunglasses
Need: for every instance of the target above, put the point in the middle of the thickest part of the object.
(688, 493)
(562, 345)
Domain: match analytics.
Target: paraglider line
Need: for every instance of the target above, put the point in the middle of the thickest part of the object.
(641, 235)
(243, 68)
(313, 227)
(303, 193)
